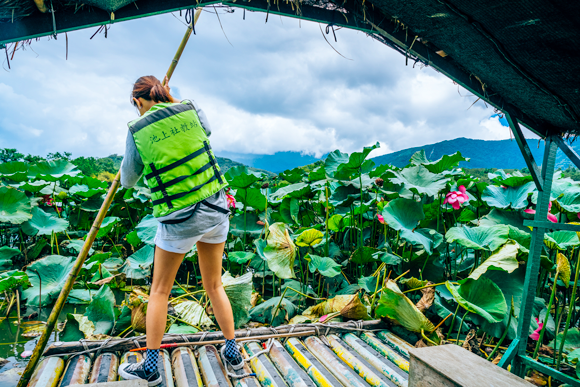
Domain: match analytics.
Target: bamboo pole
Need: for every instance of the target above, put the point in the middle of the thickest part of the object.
(53, 318)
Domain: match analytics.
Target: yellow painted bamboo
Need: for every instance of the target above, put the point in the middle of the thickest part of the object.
(52, 319)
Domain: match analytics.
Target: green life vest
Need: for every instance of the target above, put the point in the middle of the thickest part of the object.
(180, 167)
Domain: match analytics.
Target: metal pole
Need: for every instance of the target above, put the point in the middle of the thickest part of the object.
(53, 318)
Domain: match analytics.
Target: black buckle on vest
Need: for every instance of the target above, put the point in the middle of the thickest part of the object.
(160, 186)
(212, 161)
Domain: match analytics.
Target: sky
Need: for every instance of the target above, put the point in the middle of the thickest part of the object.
(266, 88)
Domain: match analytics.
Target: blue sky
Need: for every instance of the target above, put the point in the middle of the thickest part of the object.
(277, 87)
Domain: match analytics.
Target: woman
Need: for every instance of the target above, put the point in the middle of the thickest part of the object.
(169, 144)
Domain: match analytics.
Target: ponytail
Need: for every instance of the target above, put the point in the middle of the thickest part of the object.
(150, 89)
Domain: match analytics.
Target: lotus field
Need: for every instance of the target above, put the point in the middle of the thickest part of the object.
(430, 249)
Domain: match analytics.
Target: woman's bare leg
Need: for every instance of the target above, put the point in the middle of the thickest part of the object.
(210, 265)
(164, 272)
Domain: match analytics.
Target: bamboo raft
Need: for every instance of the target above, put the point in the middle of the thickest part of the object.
(327, 356)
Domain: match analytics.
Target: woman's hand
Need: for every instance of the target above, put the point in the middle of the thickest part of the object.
(165, 84)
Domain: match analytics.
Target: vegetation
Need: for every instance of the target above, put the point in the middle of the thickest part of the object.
(430, 248)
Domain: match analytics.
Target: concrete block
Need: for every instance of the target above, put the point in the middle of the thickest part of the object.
(124, 383)
(453, 366)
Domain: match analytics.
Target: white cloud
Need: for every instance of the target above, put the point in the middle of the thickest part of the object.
(279, 88)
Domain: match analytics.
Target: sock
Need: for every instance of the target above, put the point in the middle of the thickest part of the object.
(151, 360)
(232, 351)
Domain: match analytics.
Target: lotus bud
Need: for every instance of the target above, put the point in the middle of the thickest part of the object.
(265, 185)
(379, 182)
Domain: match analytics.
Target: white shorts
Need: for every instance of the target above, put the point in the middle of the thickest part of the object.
(216, 235)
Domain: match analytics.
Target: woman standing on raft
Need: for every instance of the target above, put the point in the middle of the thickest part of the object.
(169, 144)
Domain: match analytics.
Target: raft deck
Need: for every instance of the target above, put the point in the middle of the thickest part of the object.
(355, 359)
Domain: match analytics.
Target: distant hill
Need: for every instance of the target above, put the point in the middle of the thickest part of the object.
(277, 162)
(503, 154)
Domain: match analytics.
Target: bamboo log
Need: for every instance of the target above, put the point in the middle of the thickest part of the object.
(126, 345)
(52, 319)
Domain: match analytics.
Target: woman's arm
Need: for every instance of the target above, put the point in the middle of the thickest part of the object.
(202, 118)
(132, 165)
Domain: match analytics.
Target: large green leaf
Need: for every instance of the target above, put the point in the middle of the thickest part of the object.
(193, 313)
(77, 327)
(251, 197)
(403, 214)
(240, 257)
(309, 238)
(146, 229)
(239, 292)
(43, 223)
(445, 163)
(107, 225)
(419, 180)
(294, 190)
(283, 312)
(138, 265)
(7, 253)
(15, 206)
(333, 160)
(357, 162)
(52, 170)
(33, 186)
(292, 176)
(53, 271)
(479, 238)
(325, 266)
(511, 218)
(505, 259)
(427, 238)
(77, 245)
(572, 340)
(101, 311)
(482, 297)
(289, 210)
(251, 226)
(364, 255)
(14, 170)
(13, 279)
(242, 177)
(504, 197)
(394, 305)
(344, 196)
(561, 240)
(570, 201)
(280, 251)
(336, 223)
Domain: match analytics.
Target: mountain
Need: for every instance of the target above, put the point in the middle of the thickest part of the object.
(503, 154)
(226, 164)
(277, 162)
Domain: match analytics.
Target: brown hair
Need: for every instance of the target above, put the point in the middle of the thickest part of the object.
(150, 89)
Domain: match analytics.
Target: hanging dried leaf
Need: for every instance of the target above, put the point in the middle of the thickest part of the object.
(139, 317)
(427, 299)
(563, 268)
(349, 306)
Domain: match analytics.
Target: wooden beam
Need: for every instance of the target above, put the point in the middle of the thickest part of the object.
(525, 149)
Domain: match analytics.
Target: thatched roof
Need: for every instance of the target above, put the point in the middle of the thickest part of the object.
(519, 56)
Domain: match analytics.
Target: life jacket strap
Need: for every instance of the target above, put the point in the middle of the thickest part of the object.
(161, 186)
(212, 161)
(176, 164)
(182, 194)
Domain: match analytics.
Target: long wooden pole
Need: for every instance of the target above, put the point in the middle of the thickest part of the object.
(53, 318)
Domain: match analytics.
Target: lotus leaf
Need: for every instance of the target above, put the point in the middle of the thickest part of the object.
(53, 271)
(33, 186)
(138, 265)
(444, 164)
(7, 253)
(511, 218)
(292, 295)
(426, 237)
(52, 170)
(572, 342)
(369, 284)
(15, 206)
(349, 306)
(193, 313)
(77, 245)
(283, 311)
(101, 310)
(481, 296)
(570, 200)
(563, 269)
(364, 255)
(336, 223)
(242, 177)
(561, 240)
(133, 238)
(280, 251)
(294, 190)
(43, 223)
(419, 180)
(505, 259)
(508, 197)
(245, 223)
(309, 238)
(146, 229)
(333, 160)
(14, 170)
(387, 257)
(77, 327)
(107, 225)
(80, 296)
(403, 214)
(239, 291)
(12, 279)
(317, 174)
(251, 197)
(240, 257)
(292, 176)
(479, 238)
(325, 266)
(289, 210)
(177, 329)
(398, 308)
(344, 196)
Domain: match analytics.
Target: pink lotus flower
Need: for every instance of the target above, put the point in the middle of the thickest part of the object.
(231, 201)
(536, 335)
(381, 219)
(26, 354)
(551, 217)
(455, 198)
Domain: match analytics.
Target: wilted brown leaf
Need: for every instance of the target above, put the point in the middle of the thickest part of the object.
(537, 379)
(472, 343)
(427, 299)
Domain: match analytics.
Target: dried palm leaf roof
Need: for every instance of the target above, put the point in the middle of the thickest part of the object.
(519, 56)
